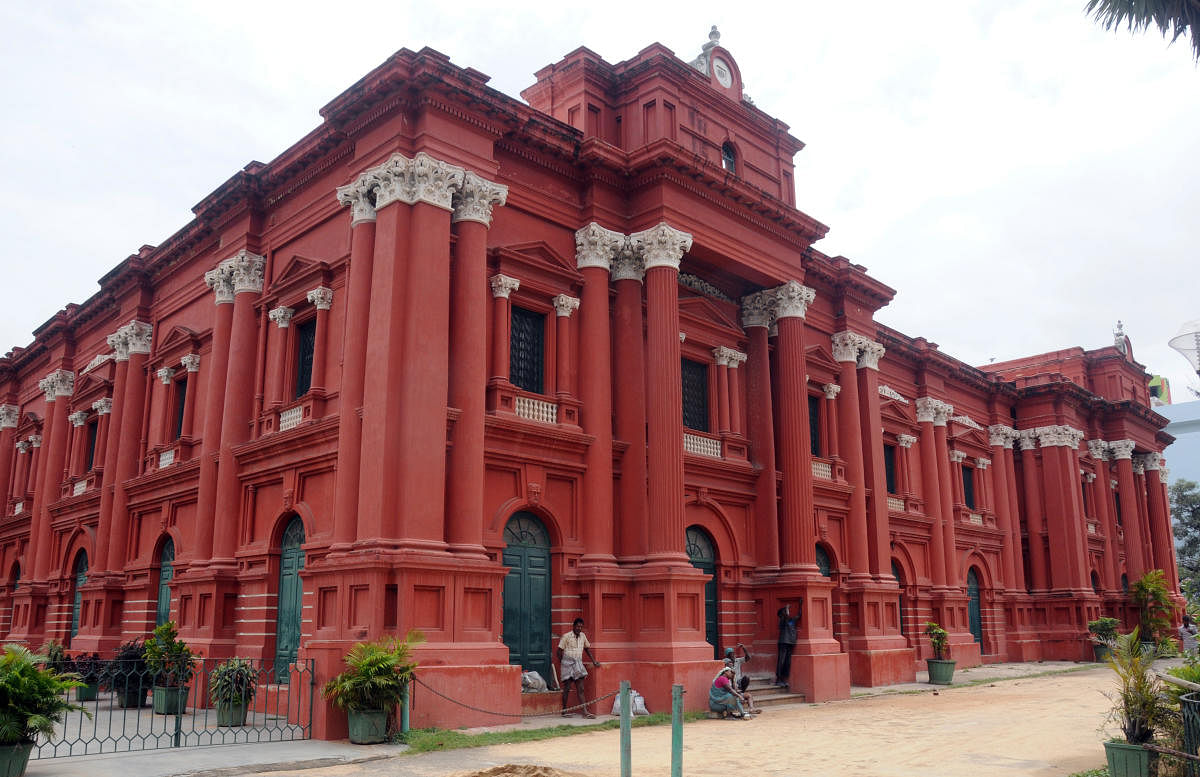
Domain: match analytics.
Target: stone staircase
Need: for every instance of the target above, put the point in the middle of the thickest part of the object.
(765, 694)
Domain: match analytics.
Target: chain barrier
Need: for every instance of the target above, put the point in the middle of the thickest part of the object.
(436, 692)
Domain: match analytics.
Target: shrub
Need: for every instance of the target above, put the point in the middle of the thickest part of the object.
(168, 658)
(939, 640)
(377, 675)
(1149, 592)
(1139, 705)
(1103, 630)
(33, 698)
(234, 681)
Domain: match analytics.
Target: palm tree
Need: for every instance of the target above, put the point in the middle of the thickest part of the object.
(1171, 17)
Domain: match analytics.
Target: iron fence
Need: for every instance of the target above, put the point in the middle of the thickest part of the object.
(126, 710)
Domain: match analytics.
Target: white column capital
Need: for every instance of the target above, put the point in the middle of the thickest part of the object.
(132, 338)
(870, 354)
(247, 270)
(792, 300)
(59, 383)
(1139, 466)
(220, 280)
(1151, 461)
(1000, 435)
(282, 316)
(661, 246)
(35, 441)
(1098, 449)
(321, 297)
(476, 198)
(9, 416)
(905, 440)
(1121, 449)
(420, 179)
(957, 457)
(845, 346)
(191, 362)
(758, 309)
(564, 305)
(360, 196)
(831, 390)
(725, 356)
(78, 418)
(166, 375)
(596, 246)
(23, 446)
(103, 406)
(1028, 439)
(1059, 435)
(503, 285)
(983, 463)
(627, 265)
(1089, 477)
(934, 411)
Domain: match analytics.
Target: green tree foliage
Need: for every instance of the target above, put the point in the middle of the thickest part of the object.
(1150, 595)
(1174, 18)
(1185, 515)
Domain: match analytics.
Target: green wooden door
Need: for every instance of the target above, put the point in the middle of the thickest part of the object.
(287, 624)
(703, 555)
(527, 594)
(166, 571)
(81, 568)
(900, 582)
(974, 615)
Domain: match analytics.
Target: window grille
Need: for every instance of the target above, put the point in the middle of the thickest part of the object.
(695, 395)
(729, 157)
(527, 349)
(968, 479)
(889, 467)
(306, 341)
(814, 425)
(90, 459)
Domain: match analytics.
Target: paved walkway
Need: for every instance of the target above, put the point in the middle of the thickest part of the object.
(1056, 714)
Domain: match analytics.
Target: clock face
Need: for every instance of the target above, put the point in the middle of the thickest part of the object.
(723, 73)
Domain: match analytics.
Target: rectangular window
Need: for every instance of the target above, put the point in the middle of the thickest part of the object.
(90, 459)
(1117, 504)
(527, 350)
(695, 395)
(889, 467)
(306, 341)
(814, 425)
(968, 478)
(180, 402)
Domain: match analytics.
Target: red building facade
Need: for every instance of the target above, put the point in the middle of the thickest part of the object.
(473, 366)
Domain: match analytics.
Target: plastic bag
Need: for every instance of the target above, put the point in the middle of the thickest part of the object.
(532, 682)
(637, 704)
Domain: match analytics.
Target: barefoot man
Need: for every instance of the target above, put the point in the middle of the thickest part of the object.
(571, 649)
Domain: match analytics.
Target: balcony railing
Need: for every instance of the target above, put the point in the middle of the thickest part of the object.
(822, 469)
(701, 445)
(895, 503)
(535, 410)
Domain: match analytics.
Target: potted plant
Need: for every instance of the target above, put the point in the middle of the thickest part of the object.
(33, 699)
(127, 674)
(231, 687)
(941, 668)
(90, 669)
(1139, 705)
(171, 664)
(375, 680)
(1103, 631)
(54, 656)
(1153, 600)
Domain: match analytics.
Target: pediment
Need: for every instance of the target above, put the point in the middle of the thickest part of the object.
(964, 434)
(711, 312)
(819, 356)
(897, 412)
(92, 382)
(299, 268)
(179, 336)
(539, 255)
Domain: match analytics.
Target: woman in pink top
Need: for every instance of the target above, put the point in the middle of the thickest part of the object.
(723, 697)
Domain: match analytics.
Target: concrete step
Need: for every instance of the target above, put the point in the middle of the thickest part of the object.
(769, 696)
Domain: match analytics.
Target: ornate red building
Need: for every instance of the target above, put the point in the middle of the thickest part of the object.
(476, 366)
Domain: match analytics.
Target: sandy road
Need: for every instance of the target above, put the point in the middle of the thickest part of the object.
(1033, 727)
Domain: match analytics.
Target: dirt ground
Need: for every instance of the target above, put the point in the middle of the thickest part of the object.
(1035, 727)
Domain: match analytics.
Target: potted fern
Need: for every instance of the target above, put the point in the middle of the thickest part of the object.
(33, 699)
(231, 687)
(127, 674)
(171, 664)
(1139, 706)
(1103, 631)
(375, 681)
(941, 668)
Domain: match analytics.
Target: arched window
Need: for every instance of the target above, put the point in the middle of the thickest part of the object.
(728, 157)
(1095, 581)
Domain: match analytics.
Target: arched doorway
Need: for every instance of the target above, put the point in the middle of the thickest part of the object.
(81, 568)
(974, 612)
(166, 571)
(527, 593)
(899, 575)
(1095, 581)
(703, 554)
(291, 594)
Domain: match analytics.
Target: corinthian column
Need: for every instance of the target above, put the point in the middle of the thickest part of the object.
(1102, 488)
(757, 312)
(798, 549)
(878, 538)
(9, 416)
(595, 249)
(59, 384)
(846, 348)
(220, 280)
(662, 248)
(1000, 438)
(933, 413)
(468, 369)
(1122, 453)
(630, 403)
(1163, 549)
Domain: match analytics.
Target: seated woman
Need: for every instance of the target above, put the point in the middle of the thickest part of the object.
(724, 698)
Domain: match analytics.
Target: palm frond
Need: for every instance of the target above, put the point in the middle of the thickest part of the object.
(1173, 18)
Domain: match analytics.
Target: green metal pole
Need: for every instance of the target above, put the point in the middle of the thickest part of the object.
(677, 730)
(626, 729)
(404, 709)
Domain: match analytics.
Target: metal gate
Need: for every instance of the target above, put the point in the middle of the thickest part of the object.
(123, 717)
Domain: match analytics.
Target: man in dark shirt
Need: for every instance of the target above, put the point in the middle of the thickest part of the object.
(787, 642)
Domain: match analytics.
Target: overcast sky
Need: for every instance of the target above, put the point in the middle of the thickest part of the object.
(1021, 177)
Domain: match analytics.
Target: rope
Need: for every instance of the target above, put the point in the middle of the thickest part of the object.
(436, 692)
